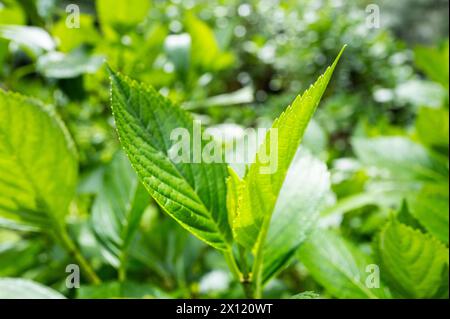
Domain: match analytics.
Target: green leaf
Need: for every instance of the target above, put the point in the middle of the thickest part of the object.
(434, 62)
(124, 15)
(38, 164)
(71, 38)
(192, 193)
(118, 208)
(18, 256)
(264, 179)
(430, 206)
(205, 52)
(401, 157)
(338, 266)
(432, 126)
(304, 190)
(411, 262)
(11, 13)
(15, 288)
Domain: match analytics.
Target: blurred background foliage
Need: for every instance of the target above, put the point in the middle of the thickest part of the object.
(382, 128)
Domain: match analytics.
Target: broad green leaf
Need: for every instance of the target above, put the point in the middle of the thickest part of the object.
(191, 191)
(434, 62)
(15, 288)
(38, 164)
(339, 267)
(205, 52)
(401, 157)
(430, 206)
(63, 66)
(117, 16)
(411, 262)
(118, 208)
(264, 179)
(303, 193)
(432, 126)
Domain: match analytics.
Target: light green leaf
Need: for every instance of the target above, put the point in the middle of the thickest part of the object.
(206, 53)
(116, 16)
(430, 206)
(434, 62)
(432, 126)
(303, 193)
(411, 262)
(71, 38)
(11, 13)
(265, 178)
(38, 165)
(192, 193)
(401, 157)
(338, 266)
(15, 288)
(118, 208)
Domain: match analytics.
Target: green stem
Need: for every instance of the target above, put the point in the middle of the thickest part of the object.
(122, 271)
(257, 270)
(244, 279)
(231, 262)
(74, 252)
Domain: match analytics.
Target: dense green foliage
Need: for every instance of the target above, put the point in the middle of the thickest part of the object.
(357, 207)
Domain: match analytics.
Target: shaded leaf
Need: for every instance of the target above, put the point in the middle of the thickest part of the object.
(411, 262)
(338, 266)
(118, 208)
(303, 194)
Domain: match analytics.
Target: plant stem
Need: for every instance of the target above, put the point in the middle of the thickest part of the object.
(244, 279)
(75, 253)
(122, 271)
(257, 270)
(231, 262)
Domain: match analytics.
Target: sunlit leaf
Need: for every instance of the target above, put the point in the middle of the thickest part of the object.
(38, 164)
(264, 179)
(192, 193)
(15, 288)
